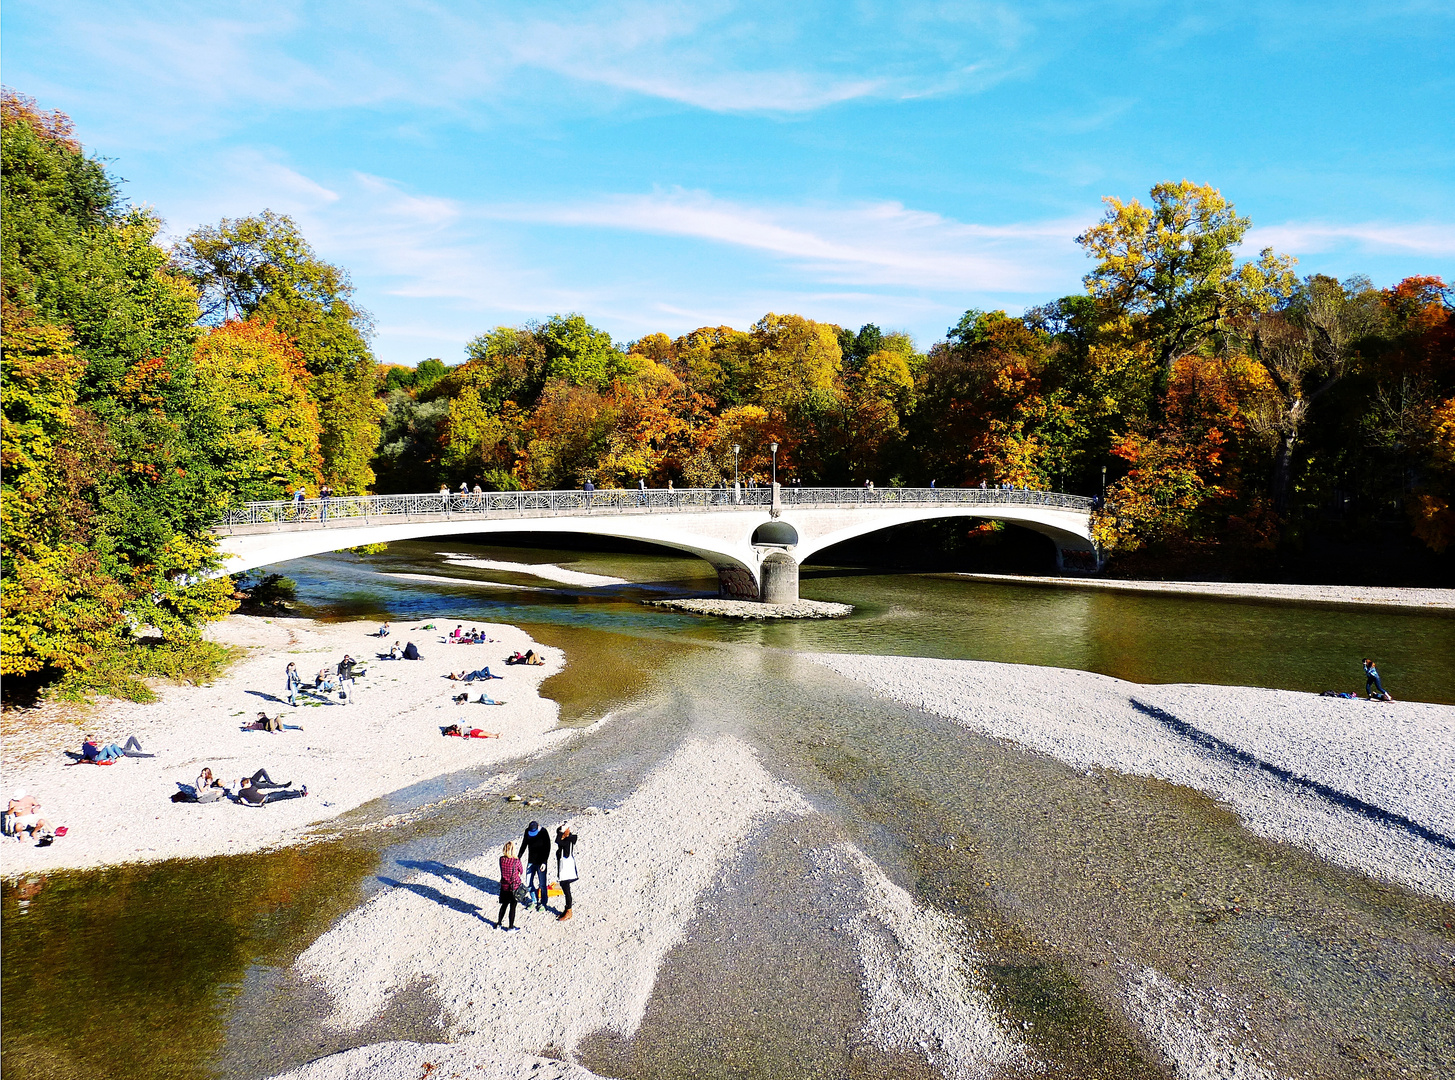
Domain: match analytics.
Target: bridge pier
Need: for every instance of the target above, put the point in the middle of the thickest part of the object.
(779, 574)
(736, 583)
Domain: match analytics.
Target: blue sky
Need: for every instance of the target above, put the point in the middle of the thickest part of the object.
(663, 166)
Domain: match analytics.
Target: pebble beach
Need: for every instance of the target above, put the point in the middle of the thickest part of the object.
(1363, 785)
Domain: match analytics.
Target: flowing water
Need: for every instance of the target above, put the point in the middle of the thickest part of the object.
(183, 968)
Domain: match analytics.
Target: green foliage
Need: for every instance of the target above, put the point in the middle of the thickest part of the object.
(122, 672)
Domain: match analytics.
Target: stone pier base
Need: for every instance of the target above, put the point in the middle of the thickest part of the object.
(779, 574)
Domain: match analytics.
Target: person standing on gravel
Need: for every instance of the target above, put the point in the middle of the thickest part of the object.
(509, 886)
(293, 683)
(566, 871)
(346, 679)
(535, 846)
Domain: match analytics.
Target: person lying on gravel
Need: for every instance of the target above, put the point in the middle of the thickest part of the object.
(472, 733)
(264, 722)
(250, 794)
(111, 752)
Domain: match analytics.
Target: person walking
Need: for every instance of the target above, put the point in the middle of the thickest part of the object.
(293, 682)
(566, 871)
(510, 885)
(346, 679)
(1372, 686)
(535, 846)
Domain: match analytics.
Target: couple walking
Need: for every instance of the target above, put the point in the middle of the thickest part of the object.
(535, 846)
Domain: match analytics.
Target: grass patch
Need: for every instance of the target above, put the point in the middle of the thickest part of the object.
(123, 672)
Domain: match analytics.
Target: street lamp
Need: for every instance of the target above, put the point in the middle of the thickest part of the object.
(774, 447)
(1103, 483)
(736, 451)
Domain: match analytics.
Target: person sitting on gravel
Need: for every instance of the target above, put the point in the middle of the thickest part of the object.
(24, 812)
(111, 752)
(323, 681)
(384, 630)
(394, 651)
(208, 787)
(1372, 686)
(251, 794)
(411, 652)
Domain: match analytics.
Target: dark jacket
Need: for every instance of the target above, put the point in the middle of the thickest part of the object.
(537, 848)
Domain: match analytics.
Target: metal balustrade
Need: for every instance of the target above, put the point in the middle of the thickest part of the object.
(365, 509)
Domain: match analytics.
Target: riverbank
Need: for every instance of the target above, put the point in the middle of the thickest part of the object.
(1342, 595)
(1359, 783)
(386, 738)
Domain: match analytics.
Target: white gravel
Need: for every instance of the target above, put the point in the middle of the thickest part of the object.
(1362, 595)
(1193, 1030)
(548, 571)
(436, 1061)
(1394, 757)
(924, 986)
(347, 755)
(550, 983)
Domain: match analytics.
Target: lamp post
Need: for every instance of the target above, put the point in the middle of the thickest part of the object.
(774, 447)
(736, 451)
(1103, 483)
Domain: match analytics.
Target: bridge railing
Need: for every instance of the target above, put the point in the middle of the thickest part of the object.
(542, 503)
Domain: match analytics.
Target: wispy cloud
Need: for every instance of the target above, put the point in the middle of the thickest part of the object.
(883, 243)
(1379, 238)
(192, 67)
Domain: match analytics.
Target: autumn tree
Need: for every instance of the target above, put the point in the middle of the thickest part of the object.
(1171, 268)
(262, 269)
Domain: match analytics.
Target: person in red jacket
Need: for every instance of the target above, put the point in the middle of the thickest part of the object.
(510, 883)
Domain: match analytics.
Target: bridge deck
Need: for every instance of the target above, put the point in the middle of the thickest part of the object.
(353, 511)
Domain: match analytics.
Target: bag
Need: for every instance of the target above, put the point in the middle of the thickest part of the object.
(343, 695)
(566, 869)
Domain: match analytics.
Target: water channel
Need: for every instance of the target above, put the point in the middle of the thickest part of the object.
(183, 968)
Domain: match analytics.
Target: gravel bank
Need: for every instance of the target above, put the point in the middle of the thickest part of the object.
(387, 738)
(503, 1001)
(1364, 784)
(1348, 595)
(749, 609)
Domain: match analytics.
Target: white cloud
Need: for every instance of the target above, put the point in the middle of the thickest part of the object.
(171, 67)
(881, 243)
(1298, 238)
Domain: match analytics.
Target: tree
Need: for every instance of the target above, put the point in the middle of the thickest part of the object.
(264, 425)
(262, 269)
(1306, 347)
(1171, 267)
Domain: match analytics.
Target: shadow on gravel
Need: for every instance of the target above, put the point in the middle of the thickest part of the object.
(1334, 795)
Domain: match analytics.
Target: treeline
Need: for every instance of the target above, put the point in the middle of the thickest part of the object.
(1226, 409)
(145, 389)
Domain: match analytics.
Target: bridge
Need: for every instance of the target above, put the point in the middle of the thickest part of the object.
(756, 538)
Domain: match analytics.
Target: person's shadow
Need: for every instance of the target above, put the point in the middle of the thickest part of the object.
(268, 697)
(452, 873)
(464, 907)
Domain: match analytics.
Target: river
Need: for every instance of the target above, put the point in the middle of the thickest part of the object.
(184, 968)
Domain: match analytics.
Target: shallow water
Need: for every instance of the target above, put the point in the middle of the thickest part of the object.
(1142, 638)
(183, 968)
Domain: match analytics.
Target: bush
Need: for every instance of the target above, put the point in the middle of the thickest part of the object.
(121, 672)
